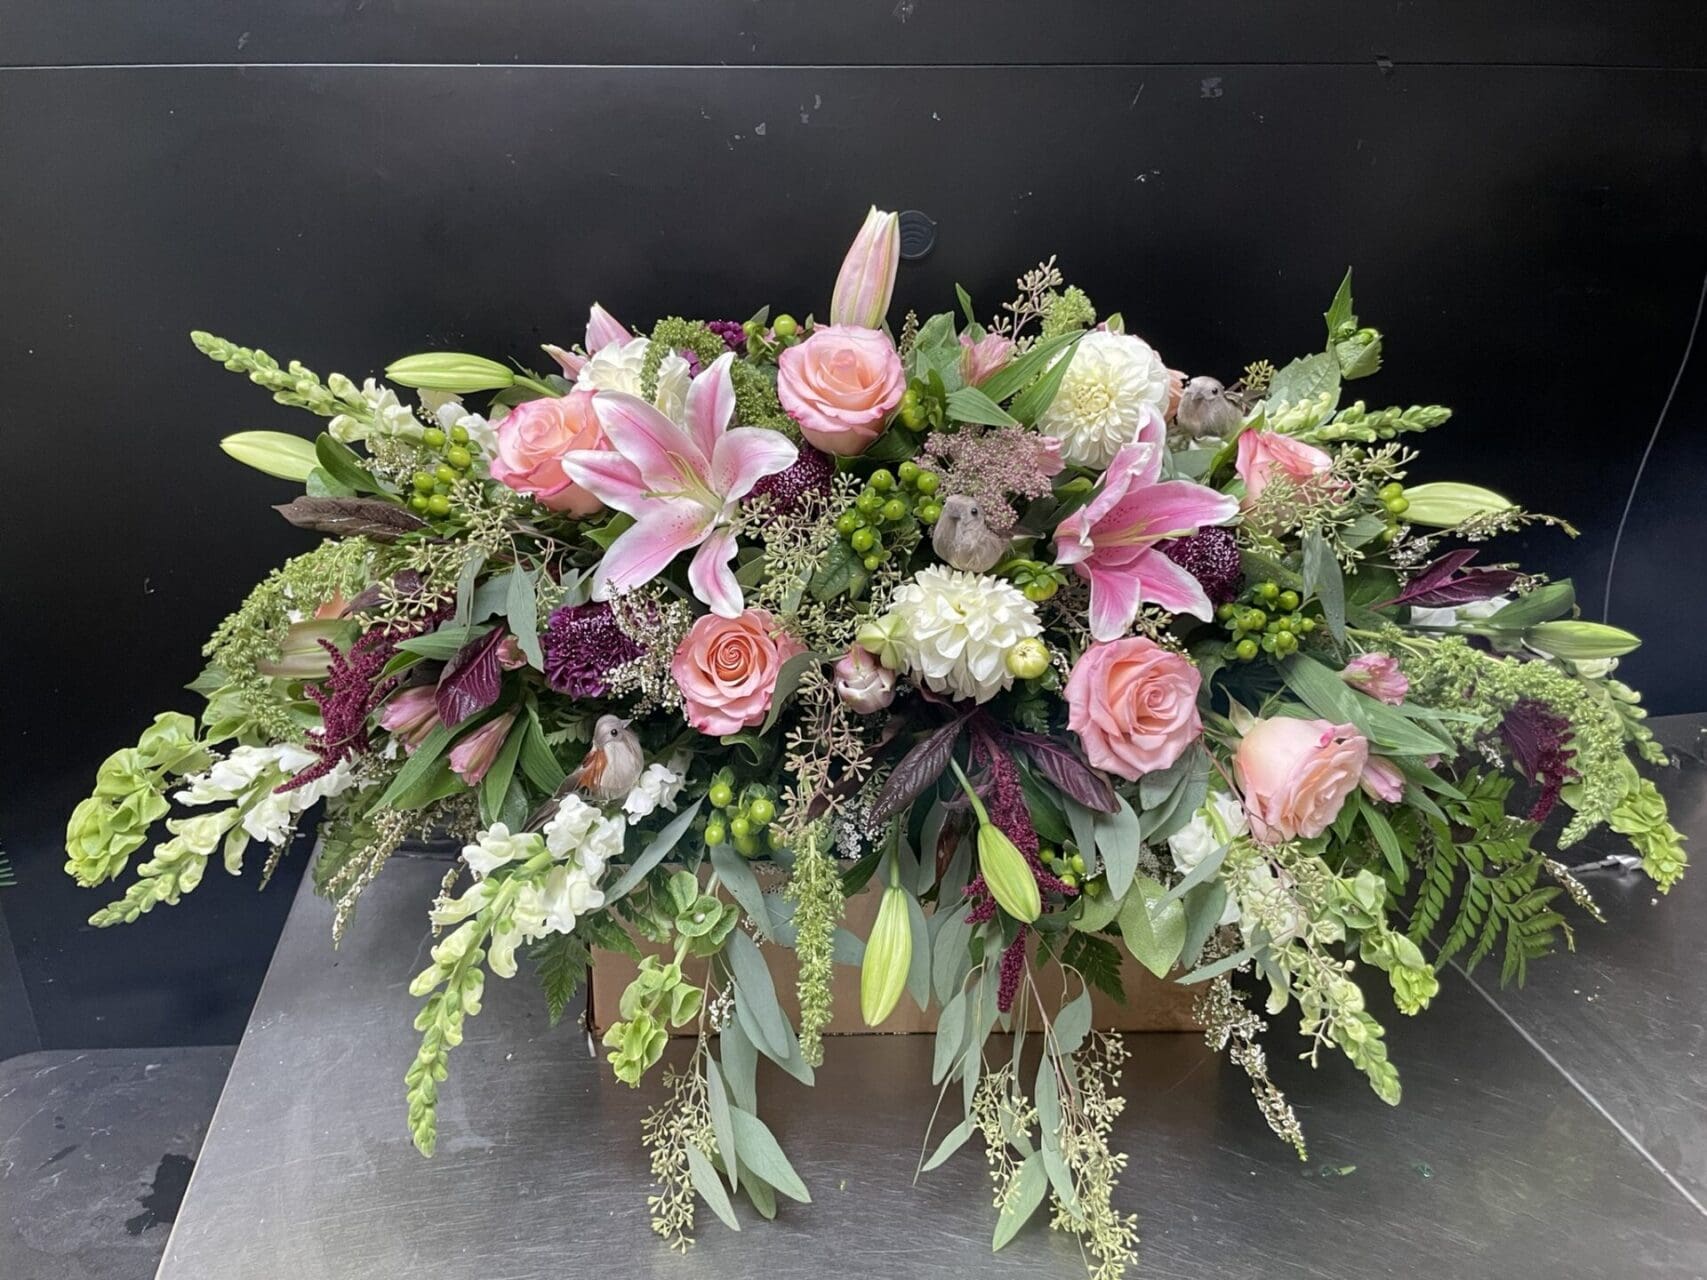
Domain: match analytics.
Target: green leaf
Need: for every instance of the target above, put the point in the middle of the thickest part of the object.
(736, 875)
(1118, 840)
(969, 404)
(1324, 581)
(466, 583)
(1006, 381)
(787, 681)
(1384, 835)
(1203, 907)
(339, 461)
(1154, 931)
(561, 961)
(740, 1064)
(442, 645)
(655, 853)
(1339, 312)
(919, 959)
(965, 303)
(1047, 1099)
(1073, 1023)
(519, 608)
(274, 452)
(722, 1124)
(537, 760)
(1029, 1185)
(1210, 864)
(952, 1141)
(710, 1187)
(1029, 404)
(1554, 600)
(755, 991)
(762, 1194)
(760, 1153)
(950, 1035)
(1305, 379)
(950, 958)
(1328, 696)
(841, 572)
(496, 783)
(417, 766)
(1096, 913)
(1226, 963)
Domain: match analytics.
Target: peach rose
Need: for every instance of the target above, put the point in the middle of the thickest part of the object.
(839, 385)
(1266, 454)
(1134, 705)
(1295, 775)
(532, 439)
(727, 669)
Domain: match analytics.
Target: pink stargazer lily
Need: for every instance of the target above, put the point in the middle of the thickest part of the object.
(680, 483)
(603, 330)
(1111, 542)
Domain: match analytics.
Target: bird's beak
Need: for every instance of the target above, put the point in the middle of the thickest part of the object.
(626, 723)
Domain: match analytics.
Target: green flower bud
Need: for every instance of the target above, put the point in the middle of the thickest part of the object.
(879, 638)
(888, 955)
(1444, 504)
(1575, 639)
(1008, 875)
(450, 371)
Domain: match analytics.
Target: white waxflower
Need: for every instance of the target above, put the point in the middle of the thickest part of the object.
(496, 847)
(1115, 382)
(581, 833)
(657, 788)
(616, 367)
(953, 630)
(1195, 841)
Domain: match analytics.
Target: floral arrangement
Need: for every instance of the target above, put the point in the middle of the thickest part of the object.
(1066, 656)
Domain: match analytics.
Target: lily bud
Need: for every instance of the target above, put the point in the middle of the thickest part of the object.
(867, 277)
(450, 371)
(1444, 504)
(1577, 640)
(888, 956)
(1007, 874)
(301, 653)
(604, 330)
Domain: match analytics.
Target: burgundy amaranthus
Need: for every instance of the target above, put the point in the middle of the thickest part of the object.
(583, 644)
(351, 691)
(1012, 966)
(1212, 557)
(1539, 740)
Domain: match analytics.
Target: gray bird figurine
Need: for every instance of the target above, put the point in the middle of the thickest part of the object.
(963, 540)
(1207, 411)
(612, 764)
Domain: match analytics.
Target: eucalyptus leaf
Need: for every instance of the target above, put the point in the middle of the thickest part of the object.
(710, 1187)
(952, 1141)
(1073, 1023)
(1154, 931)
(1118, 840)
(736, 875)
(1203, 907)
(1029, 1185)
(740, 1065)
(760, 1153)
(654, 853)
(755, 991)
(919, 960)
(717, 1102)
(950, 1035)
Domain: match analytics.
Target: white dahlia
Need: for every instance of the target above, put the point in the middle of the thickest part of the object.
(617, 368)
(953, 630)
(1114, 383)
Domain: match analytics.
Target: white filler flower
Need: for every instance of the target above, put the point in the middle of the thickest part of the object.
(953, 630)
(1114, 383)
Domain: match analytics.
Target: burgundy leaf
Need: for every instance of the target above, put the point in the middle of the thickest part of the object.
(1539, 739)
(1441, 584)
(1061, 765)
(369, 518)
(918, 770)
(470, 680)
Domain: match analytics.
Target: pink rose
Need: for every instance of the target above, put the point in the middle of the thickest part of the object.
(1134, 705)
(1295, 775)
(840, 385)
(1263, 455)
(1382, 780)
(411, 715)
(476, 753)
(1378, 675)
(727, 669)
(532, 439)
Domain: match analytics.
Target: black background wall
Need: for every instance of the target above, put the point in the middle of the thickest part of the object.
(1522, 188)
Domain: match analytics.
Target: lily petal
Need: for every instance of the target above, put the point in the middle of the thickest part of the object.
(603, 329)
(711, 403)
(745, 456)
(1114, 602)
(711, 578)
(661, 533)
(1171, 508)
(667, 457)
(1163, 582)
(609, 477)
(568, 361)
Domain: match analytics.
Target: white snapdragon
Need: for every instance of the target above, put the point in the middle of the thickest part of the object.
(657, 788)
(582, 834)
(1221, 820)
(391, 417)
(249, 778)
(616, 367)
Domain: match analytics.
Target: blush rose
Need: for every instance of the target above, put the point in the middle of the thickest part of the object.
(1133, 705)
(532, 440)
(727, 669)
(840, 385)
(1295, 775)
(1263, 455)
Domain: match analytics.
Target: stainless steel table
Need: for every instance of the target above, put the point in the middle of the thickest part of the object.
(1557, 1132)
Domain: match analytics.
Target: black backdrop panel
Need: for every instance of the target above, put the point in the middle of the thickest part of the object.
(1532, 240)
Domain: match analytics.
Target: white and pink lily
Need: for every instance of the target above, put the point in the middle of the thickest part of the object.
(603, 330)
(681, 483)
(1111, 542)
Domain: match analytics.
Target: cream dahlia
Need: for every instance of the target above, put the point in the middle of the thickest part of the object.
(952, 631)
(617, 367)
(1115, 383)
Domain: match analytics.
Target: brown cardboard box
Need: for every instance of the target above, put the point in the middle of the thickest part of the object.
(1150, 1005)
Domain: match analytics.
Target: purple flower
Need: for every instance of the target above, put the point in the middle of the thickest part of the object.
(352, 690)
(1212, 557)
(1010, 970)
(1539, 740)
(733, 333)
(809, 474)
(583, 644)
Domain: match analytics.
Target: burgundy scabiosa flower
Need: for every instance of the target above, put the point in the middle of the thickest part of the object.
(1212, 557)
(733, 333)
(1539, 740)
(809, 474)
(583, 644)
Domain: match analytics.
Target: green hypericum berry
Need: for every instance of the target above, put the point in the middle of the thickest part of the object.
(459, 457)
(439, 505)
(1398, 506)
(1288, 600)
(1046, 853)
(721, 795)
(909, 471)
(912, 416)
(762, 811)
(927, 482)
(870, 502)
(785, 327)
(1393, 490)
(740, 825)
(1042, 589)
(1306, 625)
(747, 846)
(1077, 863)
(1093, 888)
(1227, 612)
(459, 435)
(910, 398)
(445, 473)
(894, 510)
(848, 522)
(433, 438)
(1285, 642)
(928, 511)
(882, 480)
(1246, 649)
(1268, 590)
(1255, 620)
(871, 562)
(424, 481)
(863, 540)
(716, 832)
(419, 502)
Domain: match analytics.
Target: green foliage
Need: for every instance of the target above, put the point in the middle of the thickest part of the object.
(676, 334)
(1641, 816)
(815, 888)
(562, 961)
(1067, 312)
(1097, 961)
(659, 996)
(1481, 863)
